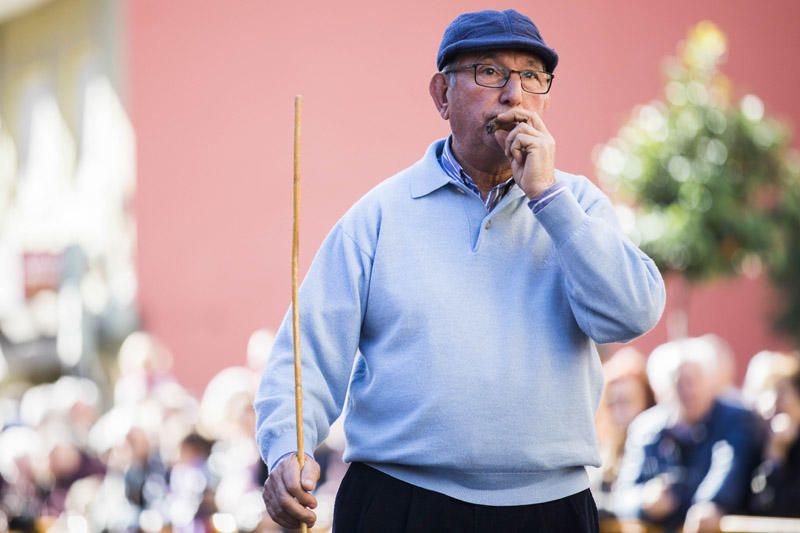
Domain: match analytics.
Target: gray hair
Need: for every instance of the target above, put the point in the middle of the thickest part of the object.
(664, 361)
(451, 76)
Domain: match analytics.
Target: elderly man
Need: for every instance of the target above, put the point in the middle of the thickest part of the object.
(689, 458)
(474, 285)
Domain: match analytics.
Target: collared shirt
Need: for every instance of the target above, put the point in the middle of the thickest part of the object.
(456, 172)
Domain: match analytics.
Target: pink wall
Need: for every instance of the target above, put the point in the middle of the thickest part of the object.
(211, 86)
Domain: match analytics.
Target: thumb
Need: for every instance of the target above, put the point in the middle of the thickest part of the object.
(310, 474)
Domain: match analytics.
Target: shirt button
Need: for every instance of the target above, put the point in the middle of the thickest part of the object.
(488, 224)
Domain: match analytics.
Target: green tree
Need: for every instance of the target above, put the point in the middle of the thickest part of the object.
(713, 182)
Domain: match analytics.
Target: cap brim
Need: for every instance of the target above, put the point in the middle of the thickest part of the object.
(545, 53)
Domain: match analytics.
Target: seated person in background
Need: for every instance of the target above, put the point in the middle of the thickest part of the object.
(689, 458)
(758, 391)
(191, 490)
(67, 463)
(626, 393)
(776, 483)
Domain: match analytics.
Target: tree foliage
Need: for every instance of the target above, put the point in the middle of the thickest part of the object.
(713, 181)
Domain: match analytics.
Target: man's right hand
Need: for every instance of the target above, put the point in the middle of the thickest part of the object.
(286, 500)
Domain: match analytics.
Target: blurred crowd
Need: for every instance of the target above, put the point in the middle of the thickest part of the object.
(144, 456)
(681, 445)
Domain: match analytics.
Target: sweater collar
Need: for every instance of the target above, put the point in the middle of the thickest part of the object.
(429, 175)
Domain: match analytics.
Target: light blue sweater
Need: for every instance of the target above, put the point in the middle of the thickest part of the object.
(478, 375)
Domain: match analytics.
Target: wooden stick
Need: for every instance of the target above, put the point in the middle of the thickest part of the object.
(298, 384)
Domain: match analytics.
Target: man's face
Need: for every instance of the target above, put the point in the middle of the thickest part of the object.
(695, 391)
(470, 106)
(626, 398)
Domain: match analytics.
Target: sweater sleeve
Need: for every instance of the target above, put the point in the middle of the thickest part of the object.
(331, 303)
(615, 291)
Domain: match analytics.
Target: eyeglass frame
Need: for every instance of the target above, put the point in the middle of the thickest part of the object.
(474, 67)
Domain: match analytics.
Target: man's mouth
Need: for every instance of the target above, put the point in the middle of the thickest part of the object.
(494, 124)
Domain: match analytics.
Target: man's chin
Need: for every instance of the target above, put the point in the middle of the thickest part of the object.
(495, 148)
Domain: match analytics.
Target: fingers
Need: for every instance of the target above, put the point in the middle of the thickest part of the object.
(522, 116)
(274, 508)
(286, 500)
(284, 509)
(502, 135)
(292, 480)
(538, 123)
(310, 474)
(291, 510)
(520, 141)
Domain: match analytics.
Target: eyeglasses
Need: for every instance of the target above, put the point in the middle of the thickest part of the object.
(495, 76)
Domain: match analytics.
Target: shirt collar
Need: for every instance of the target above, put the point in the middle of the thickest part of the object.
(454, 169)
(432, 175)
(449, 162)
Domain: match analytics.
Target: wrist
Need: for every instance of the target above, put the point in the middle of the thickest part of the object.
(545, 197)
(540, 185)
(279, 460)
(535, 193)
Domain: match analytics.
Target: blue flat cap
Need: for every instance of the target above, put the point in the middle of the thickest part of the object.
(492, 30)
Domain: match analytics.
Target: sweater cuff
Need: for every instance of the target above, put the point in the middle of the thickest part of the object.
(278, 460)
(284, 445)
(562, 216)
(541, 201)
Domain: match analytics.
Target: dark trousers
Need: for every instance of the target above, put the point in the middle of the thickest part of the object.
(371, 501)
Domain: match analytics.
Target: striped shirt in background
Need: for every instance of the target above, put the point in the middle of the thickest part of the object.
(456, 172)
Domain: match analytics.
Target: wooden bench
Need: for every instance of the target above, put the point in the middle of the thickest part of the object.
(728, 524)
(758, 524)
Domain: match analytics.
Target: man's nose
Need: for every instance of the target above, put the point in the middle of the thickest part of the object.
(512, 92)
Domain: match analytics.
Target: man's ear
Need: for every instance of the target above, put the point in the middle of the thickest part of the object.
(438, 89)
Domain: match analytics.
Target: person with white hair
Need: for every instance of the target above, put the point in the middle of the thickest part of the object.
(689, 458)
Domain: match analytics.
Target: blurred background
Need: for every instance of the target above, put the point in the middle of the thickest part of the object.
(145, 208)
